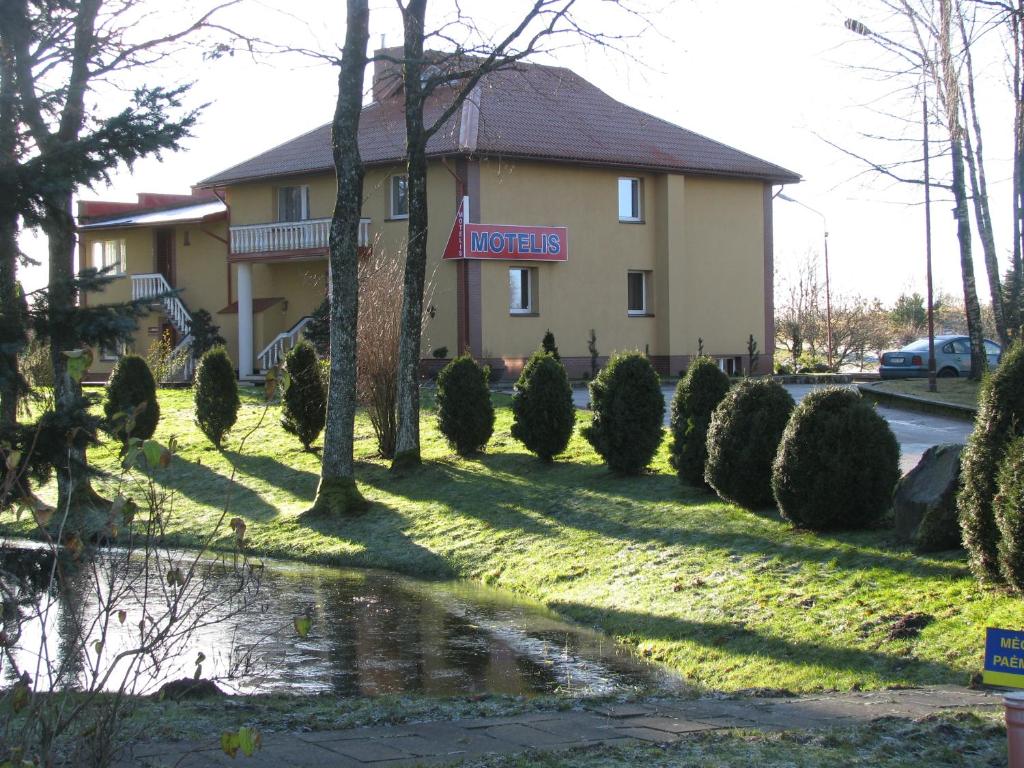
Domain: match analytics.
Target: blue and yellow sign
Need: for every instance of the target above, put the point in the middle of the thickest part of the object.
(1004, 658)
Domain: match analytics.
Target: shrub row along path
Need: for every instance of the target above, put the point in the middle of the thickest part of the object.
(656, 722)
(915, 431)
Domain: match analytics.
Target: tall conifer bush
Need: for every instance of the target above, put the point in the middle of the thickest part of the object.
(131, 407)
(697, 395)
(628, 408)
(464, 411)
(216, 395)
(543, 414)
(305, 400)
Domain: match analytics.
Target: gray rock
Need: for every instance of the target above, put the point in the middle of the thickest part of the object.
(925, 501)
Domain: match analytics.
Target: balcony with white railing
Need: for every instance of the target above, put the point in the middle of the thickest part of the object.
(288, 236)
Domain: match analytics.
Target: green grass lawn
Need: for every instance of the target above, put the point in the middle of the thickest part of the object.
(956, 391)
(731, 599)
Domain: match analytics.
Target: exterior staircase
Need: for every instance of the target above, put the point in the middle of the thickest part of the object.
(274, 353)
(155, 286)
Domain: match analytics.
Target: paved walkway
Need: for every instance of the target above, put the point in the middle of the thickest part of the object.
(660, 722)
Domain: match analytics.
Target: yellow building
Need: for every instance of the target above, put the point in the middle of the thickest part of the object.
(663, 236)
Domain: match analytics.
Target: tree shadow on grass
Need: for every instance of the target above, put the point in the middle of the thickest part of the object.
(732, 639)
(499, 490)
(298, 482)
(207, 488)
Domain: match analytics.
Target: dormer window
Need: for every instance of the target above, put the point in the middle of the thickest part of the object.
(400, 196)
(293, 203)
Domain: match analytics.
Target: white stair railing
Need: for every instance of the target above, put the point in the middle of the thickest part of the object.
(183, 362)
(274, 353)
(155, 285)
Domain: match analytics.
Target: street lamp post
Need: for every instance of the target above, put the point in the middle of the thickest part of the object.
(861, 29)
(828, 288)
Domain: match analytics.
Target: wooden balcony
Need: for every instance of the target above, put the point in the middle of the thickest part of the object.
(281, 239)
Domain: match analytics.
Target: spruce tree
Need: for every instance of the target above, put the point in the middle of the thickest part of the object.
(464, 411)
(216, 395)
(543, 414)
(549, 346)
(305, 399)
(697, 395)
(131, 406)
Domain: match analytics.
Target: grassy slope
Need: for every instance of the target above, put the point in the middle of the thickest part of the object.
(729, 598)
(956, 391)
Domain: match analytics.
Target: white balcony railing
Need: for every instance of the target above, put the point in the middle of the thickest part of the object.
(288, 236)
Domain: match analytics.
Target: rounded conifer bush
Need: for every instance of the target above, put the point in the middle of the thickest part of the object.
(1000, 418)
(216, 394)
(305, 400)
(628, 409)
(543, 414)
(464, 412)
(743, 438)
(131, 407)
(697, 395)
(838, 463)
(1008, 507)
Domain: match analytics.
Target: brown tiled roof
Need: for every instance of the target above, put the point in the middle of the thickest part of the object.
(531, 111)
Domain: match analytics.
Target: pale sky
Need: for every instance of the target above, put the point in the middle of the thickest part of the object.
(772, 79)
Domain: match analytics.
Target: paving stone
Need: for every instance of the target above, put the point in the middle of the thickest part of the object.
(668, 724)
(617, 711)
(648, 734)
(367, 750)
(525, 736)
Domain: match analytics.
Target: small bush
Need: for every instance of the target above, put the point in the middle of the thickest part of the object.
(130, 387)
(1008, 507)
(698, 393)
(464, 411)
(548, 345)
(543, 414)
(205, 333)
(305, 401)
(743, 437)
(838, 463)
(628, 408)
(1000, 419)
(216, 395)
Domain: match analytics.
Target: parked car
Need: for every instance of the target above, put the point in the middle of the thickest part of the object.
(952, 358)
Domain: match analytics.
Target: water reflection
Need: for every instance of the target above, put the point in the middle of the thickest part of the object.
(377, 633)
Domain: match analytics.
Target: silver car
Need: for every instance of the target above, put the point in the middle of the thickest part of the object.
(952, 358)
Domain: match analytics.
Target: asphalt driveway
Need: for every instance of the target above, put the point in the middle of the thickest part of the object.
(916, 432)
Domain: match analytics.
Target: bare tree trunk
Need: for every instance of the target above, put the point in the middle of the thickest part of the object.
(337, 492)
(959, 186)
(1016, 288)
(979, 187)
(12, 332)
(407, 448)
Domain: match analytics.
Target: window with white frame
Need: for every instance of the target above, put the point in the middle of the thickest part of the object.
(522, 291)
(110, 255)
(638, 285)
(293, 203)
(112, 353)
(630, 195)
(400, 196)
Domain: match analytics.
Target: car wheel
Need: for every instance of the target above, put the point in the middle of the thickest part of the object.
(948, 373)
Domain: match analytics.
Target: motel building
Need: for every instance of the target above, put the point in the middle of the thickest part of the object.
(551, 206)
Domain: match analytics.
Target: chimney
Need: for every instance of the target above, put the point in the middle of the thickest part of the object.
(387, 75)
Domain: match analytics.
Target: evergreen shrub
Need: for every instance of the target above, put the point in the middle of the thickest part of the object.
(464, 412)
(838, 463)
(1000, 418)
(628, 409)
(1008, 507)
(743, 438)
(697, 395)
(548, 345)
(205, 333)
(131, 386)
(216, 394)
(543, 414)
(304, 411)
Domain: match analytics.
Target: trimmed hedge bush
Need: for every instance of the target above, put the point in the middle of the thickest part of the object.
(628, 409)
(464, 411)
(698, 393)
(1008, 507)
(743, 437)
(838, 463)
(543, 414)
(304, 404)
(1000, 419)
(216, 395)
(131, 385)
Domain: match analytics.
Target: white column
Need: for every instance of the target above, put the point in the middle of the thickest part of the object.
(244, 319)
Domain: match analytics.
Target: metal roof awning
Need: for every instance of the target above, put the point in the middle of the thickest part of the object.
(199, 212)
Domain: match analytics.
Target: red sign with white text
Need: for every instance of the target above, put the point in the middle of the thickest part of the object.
(506, 241)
